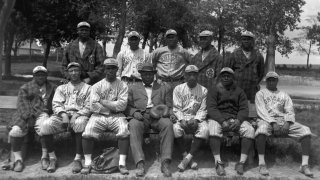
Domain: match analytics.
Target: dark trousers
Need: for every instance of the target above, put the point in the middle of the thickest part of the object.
(137, 129)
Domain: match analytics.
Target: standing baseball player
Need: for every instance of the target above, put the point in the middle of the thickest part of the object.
(108, 99)
(208, 60)
(189, 107)
(33, 107)
(228, 112)
(70, 106)
(276, 117)
(248, 66)
(171, 60)
(87, 52)
(143, 97)
(130, 60)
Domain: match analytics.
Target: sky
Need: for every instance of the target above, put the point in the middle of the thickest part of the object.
(310, 9)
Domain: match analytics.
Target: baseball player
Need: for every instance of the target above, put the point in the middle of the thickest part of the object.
(87, 52)
(208, 60)
(228, 112)
(276, 116)
(189, 106)
(108, 99)
(171, 60)
(143, 97)
(70, 106)
(33, 107)
(130, 60)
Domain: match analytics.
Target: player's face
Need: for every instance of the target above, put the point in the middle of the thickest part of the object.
(205, 41)
(247, 42)
(271, 83)
(191, 79)
(147, 77)
(74, 73)
(226, 79)
(83, 32)
(133, 42)
(172, 40)
(111, 73)
(40, 78)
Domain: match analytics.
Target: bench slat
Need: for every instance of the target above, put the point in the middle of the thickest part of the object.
(8, 102)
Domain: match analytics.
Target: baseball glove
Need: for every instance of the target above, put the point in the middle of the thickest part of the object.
(159, 111)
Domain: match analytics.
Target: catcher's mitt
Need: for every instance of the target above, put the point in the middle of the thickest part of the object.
(159, 111)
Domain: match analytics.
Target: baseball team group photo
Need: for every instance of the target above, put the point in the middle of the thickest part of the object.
(174, 100)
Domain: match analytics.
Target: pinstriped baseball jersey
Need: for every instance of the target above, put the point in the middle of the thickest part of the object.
(190, 103)
(116, 93)
(274, 106)
(70, 98)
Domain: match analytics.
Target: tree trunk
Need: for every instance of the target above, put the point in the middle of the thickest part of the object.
(15, 49)
(122, 28)
(46, 52)
(310, 44)
(151, 43)
(4, 16)
(270, 63)
(145, 39)
(104, 43)
(30, 50)
(11, 29)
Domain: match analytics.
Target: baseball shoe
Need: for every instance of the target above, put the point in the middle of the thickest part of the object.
(18, 166)
(239, 168)
(306, 171)
(220, 169)
(123, 170)
(76, 166)
(45, 163)
(263, 170)
(165, 168)
(183, 164)
(140, 169)
(7, 165)
(193, 165)
(86, 170)
(52, 166)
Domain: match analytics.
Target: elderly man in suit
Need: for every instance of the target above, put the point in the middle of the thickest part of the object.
(142, 97)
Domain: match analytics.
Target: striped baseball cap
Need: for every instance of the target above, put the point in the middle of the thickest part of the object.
(272, 74)
(39, 69)
(110, 62)
(73, 64)
(205, 33)
(170, 31)
(227, 69)
(191, 68)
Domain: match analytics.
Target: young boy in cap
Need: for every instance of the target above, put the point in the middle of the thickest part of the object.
(276, 116)
(70, 106)
(171, 60)
(143, 97)
(228, 112)
(33, 107)
(208, 60)
(189, 107)
(130, 60)
(108, 99)
(87, 52)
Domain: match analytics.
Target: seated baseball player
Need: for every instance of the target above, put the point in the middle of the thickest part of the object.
(228, 112)
(142, 97)
(189, 107)
(108, 99)
(276, 117)
(33, 107)
(69, 107)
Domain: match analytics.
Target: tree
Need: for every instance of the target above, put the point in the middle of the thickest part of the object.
(122, 28)
(6, 7)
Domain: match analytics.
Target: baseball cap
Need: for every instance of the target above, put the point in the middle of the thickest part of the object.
(147, 67)
(191, 68)
(134, 34)
(272, 74)
(73, 64)
(39, 69)
(110, 62)
(248, 34)
(227, 69)
(170, 31)
(83, 23)
(205, 33)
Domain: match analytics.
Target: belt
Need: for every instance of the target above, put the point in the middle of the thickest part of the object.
(130, 79)
(170, 79)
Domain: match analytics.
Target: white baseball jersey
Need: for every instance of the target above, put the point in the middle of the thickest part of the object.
(190, 103)
(70, 98)
(274, 106)
(130, 61)
(116, 92)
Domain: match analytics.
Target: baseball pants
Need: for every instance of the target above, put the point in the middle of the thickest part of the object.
(246, 130)
(201, 132)
(98, 124)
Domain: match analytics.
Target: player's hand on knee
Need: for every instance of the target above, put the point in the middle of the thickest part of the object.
(276, 129)
(285, 128)
(138, 116)
(183, 124)
(234, 124)
(225, 126)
